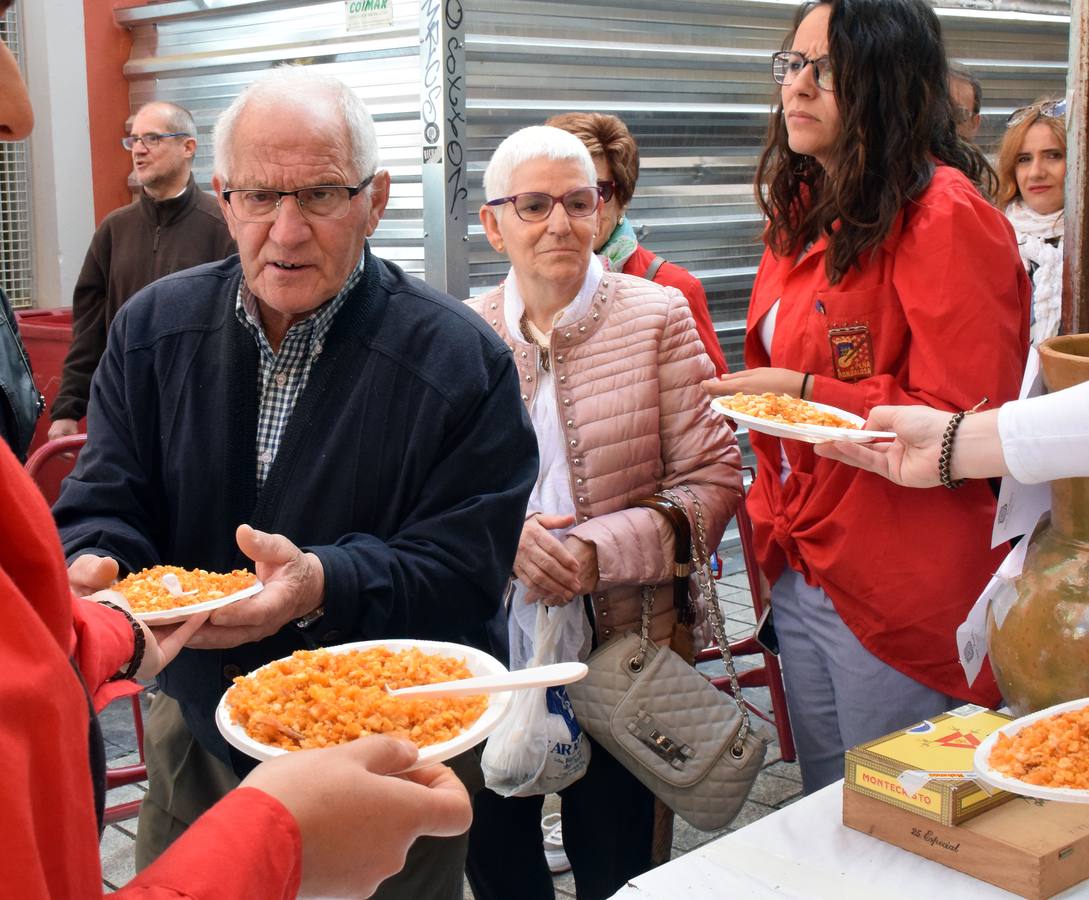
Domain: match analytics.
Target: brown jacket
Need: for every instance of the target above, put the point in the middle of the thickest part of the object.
(134, 246)
(635, 422)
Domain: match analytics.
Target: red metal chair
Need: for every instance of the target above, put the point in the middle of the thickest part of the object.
(767, 675)
(48, 466)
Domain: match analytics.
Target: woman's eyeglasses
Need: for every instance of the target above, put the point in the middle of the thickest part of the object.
(607, 189)
(1049, 109)
(534, 206)
(788, 65)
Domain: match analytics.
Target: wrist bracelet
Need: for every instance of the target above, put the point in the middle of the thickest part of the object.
(945, 457)
(139, 644)
(805, 384)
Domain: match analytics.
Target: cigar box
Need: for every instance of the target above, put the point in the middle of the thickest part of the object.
(1032, 848)
(943, 745)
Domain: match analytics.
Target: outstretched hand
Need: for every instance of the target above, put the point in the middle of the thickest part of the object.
(761, 380)
(911, 460)
(162, 643)
(294, 584)
(356, 814)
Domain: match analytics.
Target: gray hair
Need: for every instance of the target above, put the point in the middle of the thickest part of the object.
(963, 73)
(534, 142)
(299, 83)
(178, 118)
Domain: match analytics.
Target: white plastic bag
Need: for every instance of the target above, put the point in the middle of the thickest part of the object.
(538, 748)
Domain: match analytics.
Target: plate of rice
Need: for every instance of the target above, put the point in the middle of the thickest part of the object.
(320, 698)
(783, 416)
(164, 595)
(1044, 754)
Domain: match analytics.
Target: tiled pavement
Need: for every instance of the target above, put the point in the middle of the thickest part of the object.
(777, 786)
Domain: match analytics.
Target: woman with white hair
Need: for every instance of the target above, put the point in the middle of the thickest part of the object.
(610, 367)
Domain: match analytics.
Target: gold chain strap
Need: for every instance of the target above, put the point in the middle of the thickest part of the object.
(636, 662)
(702, 565)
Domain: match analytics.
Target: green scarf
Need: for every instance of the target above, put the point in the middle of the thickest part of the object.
(621, 245)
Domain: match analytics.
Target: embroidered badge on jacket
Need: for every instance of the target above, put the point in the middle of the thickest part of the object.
(852, 351)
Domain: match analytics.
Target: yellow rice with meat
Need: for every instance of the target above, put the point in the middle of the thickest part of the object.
(316, 698)
(146, 592)
(784, 408)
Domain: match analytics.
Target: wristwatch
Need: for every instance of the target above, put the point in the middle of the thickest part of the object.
(311, 617)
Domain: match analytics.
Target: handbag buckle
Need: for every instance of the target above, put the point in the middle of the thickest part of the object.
(652, 734)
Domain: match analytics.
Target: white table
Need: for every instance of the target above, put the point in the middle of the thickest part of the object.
(804, 851)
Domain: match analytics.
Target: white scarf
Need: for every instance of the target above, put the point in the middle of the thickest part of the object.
(1034, 230)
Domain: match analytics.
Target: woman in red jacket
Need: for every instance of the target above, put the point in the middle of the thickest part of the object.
(328, 821)
(616, 158)
(887, 279)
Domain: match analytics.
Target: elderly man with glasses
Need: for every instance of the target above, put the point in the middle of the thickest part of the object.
(367, 427)
(172, 225)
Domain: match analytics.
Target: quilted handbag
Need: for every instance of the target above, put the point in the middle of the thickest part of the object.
(691, 745)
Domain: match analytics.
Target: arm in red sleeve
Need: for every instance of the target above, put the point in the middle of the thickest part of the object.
(962, 289)
(671, 275)
(246, 847)
(103, 647)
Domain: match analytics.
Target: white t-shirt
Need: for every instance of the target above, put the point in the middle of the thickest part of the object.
(766, 330)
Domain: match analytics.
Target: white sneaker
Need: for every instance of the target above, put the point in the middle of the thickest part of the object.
(552, 829)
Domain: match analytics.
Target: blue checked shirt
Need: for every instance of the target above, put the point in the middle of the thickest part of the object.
(282, 376)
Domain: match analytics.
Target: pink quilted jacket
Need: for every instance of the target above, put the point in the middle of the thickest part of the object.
(635, 422)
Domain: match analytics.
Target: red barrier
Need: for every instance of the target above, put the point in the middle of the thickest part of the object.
(47, 334)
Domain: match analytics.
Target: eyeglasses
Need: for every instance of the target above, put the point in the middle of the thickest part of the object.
(606, 189)
(1050, 109)
(534, 206)
(787, 66)
(151, 139)
(323, 201)
(961, 114)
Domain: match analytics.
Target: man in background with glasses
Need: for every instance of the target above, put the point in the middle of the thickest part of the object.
(171, 226)
(966, 94)
(368, 428)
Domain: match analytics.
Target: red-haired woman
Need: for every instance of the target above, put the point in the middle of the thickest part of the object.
(616, 158)
(1031, 180)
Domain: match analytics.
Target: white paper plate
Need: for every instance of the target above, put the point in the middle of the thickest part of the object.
(811, 434)
(478, 662)
(181, 613)
(1014, 785)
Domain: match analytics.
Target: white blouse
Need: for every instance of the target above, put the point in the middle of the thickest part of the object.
(551, 493)
(1044, 438)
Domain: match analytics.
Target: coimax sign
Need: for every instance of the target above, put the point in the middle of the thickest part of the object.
(362, 15)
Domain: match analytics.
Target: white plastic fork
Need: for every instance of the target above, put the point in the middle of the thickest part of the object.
(537, 676)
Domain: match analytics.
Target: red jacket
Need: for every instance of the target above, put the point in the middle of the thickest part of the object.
(248, 846)
(937, 316)
(669, 275)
